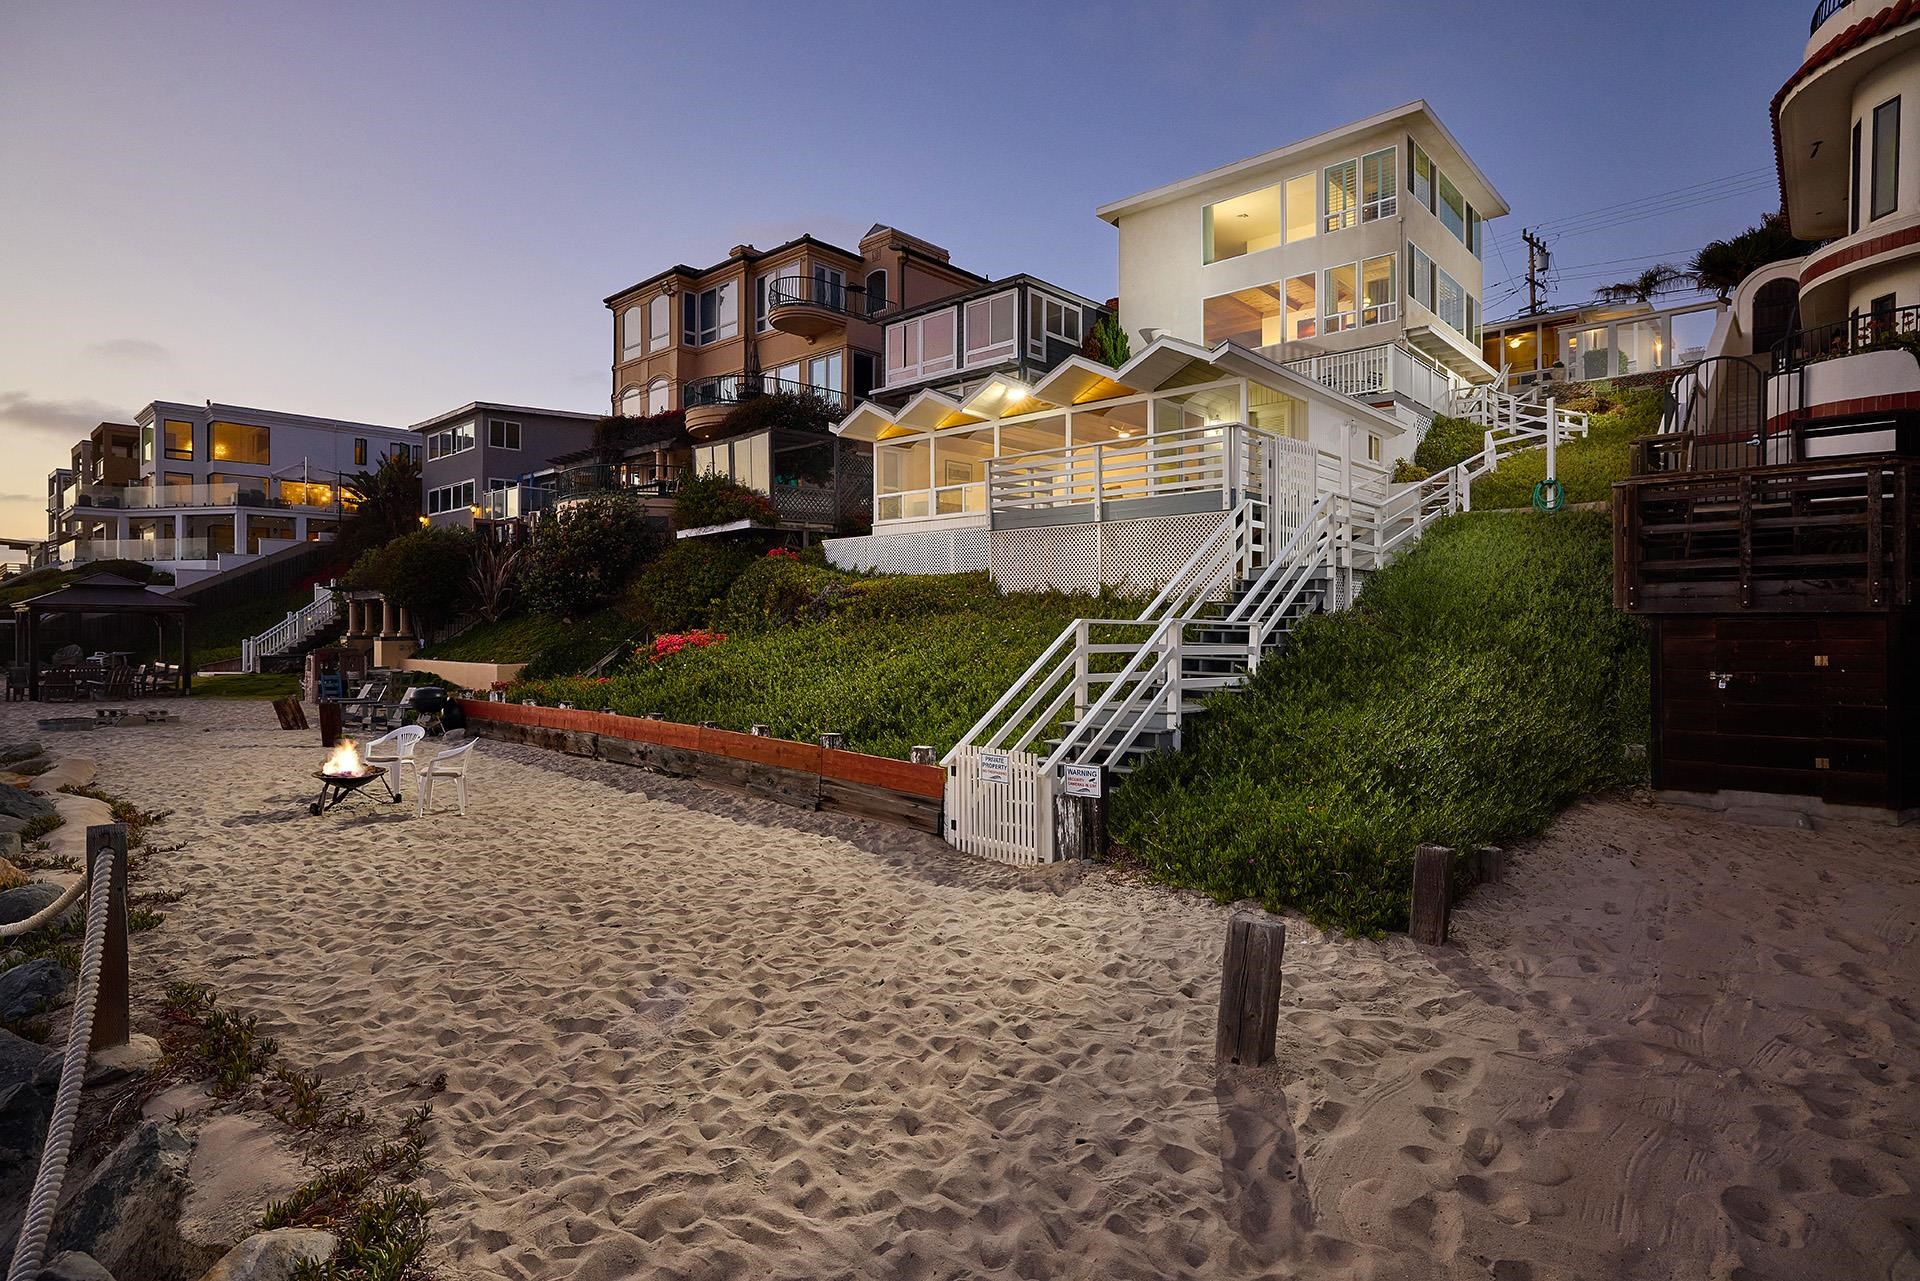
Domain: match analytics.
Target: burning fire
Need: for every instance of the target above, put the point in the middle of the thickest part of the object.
(345, 760)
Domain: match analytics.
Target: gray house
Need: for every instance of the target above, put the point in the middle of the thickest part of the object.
(478, 460)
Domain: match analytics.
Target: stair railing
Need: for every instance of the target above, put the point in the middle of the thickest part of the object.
(297, 627)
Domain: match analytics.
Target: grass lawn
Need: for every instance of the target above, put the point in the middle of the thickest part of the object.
(217, 633)
(548, 644)
(898, 661)
(1483, 681)
(252, 685)
(1588, 467)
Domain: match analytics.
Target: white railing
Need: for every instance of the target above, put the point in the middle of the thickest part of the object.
(140, 549)
(1385, 370)
(1192, 460)
(298, 627)
(222, 494)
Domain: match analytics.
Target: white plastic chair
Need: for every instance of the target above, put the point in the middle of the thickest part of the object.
(394, 748)
(452, 764)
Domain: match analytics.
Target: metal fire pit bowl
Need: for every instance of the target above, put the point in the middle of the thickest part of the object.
(335, 788)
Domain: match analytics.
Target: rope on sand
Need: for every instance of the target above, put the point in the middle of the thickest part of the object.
(73, 1069)
(50, 912)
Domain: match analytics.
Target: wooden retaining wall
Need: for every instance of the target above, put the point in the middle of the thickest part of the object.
(804, 775)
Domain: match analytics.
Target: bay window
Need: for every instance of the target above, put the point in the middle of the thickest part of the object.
(920, 347)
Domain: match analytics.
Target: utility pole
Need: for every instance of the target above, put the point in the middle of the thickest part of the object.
(1537, 260)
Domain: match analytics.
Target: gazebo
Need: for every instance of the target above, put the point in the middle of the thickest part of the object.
(100, 594)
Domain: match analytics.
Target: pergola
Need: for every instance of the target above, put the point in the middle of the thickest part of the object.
(101, 594)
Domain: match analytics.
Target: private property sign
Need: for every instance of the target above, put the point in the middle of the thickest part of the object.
(995, 768)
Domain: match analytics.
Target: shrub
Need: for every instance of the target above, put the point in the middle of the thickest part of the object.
(1448, 442)
(686, 585)
(580, 557)
(784, 411)
(425, 571)
(1483, 681)
(670, 643)
(1405, 473)
(713, 499)
(1106, 342)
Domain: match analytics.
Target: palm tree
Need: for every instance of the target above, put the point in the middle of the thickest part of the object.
(385, 501)
(1658, 279)
(1720, 266)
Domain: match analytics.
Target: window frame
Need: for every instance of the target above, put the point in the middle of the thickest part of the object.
(359, 451)
(167, 440)
(695, 330)
(1348, 215)
(922, 366)
(1853, 186)
(503, 436)
(992, 351)
(1386, 203)
(633, 331)
(213, 452)
(1312, 222)
(659, 323)
(450, 441)
(1875, 211)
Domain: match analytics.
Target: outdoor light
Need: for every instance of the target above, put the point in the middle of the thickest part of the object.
(1514, 342)
(423, 522)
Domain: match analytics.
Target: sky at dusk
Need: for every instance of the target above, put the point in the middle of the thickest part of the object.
(383, 211)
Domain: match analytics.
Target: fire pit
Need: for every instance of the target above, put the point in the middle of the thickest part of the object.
(344, 774)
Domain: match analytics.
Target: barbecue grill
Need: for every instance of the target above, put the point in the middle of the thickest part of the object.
(335, 788)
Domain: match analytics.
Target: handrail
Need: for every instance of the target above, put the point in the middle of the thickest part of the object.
(815, 291)
(1893, 330)
(1824, 10)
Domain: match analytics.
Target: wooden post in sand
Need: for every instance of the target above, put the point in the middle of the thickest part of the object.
(1432, 894)
(111, 1021)
(329, 722)
(760, 731)
(1080, 813)
(1249, 990)
(833, 742)
(922, 756)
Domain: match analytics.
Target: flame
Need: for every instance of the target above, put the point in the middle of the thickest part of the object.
(344, 760)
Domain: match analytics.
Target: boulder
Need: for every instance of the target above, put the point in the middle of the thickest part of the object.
(18, 904)
(240, 1167)
(11, 877)
(68, 771)
(271, 1256)
(17, 802)
(29, 1075)
(25, 990)
(125, 1212)
(20, 751)
(73, 1266)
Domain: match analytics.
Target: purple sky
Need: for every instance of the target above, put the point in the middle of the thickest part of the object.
(382, 211)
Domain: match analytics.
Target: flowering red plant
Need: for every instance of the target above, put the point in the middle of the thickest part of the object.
(673, 642)
(782, 553)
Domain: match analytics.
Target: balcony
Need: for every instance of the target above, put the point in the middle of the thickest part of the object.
(87, 550)
(708, 401)
(1895, 330)
(515, 501)
(644, 480)
(1375, 373)
(1824, 10)
(810, 306)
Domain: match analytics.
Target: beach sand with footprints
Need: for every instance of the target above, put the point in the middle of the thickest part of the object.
(689, 1034)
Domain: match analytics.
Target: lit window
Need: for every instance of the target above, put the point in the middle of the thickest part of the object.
(1300, 320)
(1379, 187)
(359, 451)
(1243, 225)
(1379, 301)
(179, 439)
(240, 443)
(1342, 187)
(1337, 298)
(1249, 317)
(989, 328)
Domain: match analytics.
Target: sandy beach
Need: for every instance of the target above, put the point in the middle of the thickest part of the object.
(688, 1034)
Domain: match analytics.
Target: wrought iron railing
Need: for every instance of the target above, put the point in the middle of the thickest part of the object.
(1824, 10)
(1898, 329)
(731, 389)
(831, 295)
(631, 477)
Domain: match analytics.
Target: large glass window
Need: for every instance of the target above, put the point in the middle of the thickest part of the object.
(658, 313)
(710, 316)
(1422, 177)
(1379, 300)
(447, 441)
(1338, 292)
(503, 433)
(1342, 188)
(1250, 317)
(1886, 158)
(240, 443)
(1379, 186)
(1243, 225)
(960, 471)
(1449, 300)
(824, 374)
(1300, 320)
(1303, 207)
(179, 439)
(990, 328)
(633, 331)
(657, 395)
(1420, 276)
(919, 347)
(903, 472)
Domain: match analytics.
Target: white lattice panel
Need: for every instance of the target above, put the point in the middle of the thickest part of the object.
(1139, 557)
(1043, 558)
(947, 551)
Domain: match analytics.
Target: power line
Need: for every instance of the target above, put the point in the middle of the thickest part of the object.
(1707, 186)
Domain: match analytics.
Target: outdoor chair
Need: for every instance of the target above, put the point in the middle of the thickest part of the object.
(17, 678)
(353, 711)
(119, 684)
(452, 764)
(395, 748)
(59, 686)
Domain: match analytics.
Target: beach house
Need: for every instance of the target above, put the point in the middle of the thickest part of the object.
(1353, 256)
(492, 461)
(215, 486)
(1770, 532)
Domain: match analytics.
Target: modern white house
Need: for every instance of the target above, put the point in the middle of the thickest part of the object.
(219, 485)
(1816, 355)
(1354, 256)
(1091, 477)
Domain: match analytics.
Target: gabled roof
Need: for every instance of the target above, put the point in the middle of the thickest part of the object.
(1080, 381)
(1417, 110)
